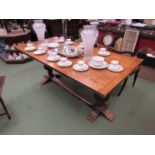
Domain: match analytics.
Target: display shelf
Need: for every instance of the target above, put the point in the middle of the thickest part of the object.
(10, 55)
(14, 61)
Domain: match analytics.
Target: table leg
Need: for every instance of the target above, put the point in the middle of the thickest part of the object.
(101, 107)
(47, 78)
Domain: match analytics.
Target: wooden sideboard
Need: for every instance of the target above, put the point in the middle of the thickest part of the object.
(146, 40)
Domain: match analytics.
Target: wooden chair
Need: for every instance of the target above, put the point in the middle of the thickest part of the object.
(2, 80)
(128, 47)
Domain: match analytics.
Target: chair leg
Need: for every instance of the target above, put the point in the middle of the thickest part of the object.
(5, 109)
(135, 76)
(122, 88)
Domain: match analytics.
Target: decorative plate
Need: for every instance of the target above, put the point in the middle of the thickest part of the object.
(108, 39)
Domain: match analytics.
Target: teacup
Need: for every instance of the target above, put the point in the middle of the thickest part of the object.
(63, 60)
(29, 44)
(56, 50)
(68, 40)
(41, 48)
(102, 49)
(53, 45)
(55, 38)
(80, 63)
(97, 60)
(61, 38)
(114, 64)
(44, 45)
(81, 45)
(52, 54)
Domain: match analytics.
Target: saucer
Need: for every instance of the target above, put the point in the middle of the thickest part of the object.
(77, 68)
(106, 53)
(30, 48)
(67, 64)
(39, 52)
(53, 45)
(118, 69)
(56, 58)
(102, 66)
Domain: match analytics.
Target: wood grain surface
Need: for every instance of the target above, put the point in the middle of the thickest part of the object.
(101, 81)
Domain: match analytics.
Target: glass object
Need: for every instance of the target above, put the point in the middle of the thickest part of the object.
(40, 29)
(89, 36)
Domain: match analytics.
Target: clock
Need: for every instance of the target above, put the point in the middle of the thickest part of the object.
(108, 39)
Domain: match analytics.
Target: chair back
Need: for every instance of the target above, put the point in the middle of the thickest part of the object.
(2, 80)
(130, 40)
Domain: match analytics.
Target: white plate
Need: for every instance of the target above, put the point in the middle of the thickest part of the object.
(77, 68)
(28, 49)
(119, 69)
(104, 53)
(68, 63)
(53, 58)
(104, 65)
(53, 45)
(39, 52)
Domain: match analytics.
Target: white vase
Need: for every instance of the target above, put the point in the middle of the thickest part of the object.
(40, 29)
(89, 37)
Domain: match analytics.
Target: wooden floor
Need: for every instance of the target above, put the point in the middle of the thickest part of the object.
(147, 73)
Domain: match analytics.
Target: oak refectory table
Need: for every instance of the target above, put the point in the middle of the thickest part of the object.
(101, 82)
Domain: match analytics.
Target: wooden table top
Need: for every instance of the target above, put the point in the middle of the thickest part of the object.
(101, 81)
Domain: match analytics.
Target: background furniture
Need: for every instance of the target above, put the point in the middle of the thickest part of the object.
(129, 42)
(2, 80)
(128, 47)
(17, 31)
(10, 40)
(146, 37)
(54, 27)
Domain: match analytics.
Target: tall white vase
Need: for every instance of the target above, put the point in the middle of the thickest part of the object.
(89, 37)
(40, 29)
